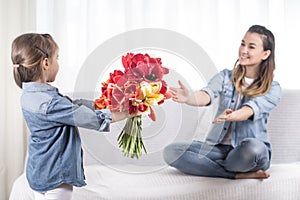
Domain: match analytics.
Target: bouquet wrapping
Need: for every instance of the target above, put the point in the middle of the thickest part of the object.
(135, 89)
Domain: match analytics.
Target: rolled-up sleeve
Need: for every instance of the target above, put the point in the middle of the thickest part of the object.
(63, 111)
(263, 105)
(105, 117)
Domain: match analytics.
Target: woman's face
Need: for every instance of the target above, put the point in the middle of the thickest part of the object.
(251, 51)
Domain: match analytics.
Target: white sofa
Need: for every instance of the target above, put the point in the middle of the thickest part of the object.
(109, 181)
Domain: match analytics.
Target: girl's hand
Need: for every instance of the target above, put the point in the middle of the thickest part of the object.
(223, 117)
(181, 94)
(118, 116)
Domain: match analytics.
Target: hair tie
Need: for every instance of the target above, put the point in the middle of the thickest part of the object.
(16, 65)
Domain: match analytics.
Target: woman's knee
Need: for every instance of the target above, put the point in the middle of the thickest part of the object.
(167, 153)
(173, 151)
(253, 147)
(249, 155)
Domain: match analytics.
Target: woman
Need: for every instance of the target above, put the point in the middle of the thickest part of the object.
(237, 146)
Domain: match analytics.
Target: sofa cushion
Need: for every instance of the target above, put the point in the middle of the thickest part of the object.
(106, 183)
(284, 128)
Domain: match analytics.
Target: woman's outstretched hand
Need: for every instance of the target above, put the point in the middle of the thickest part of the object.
(241, 114)
(181, 94)
(223, 117)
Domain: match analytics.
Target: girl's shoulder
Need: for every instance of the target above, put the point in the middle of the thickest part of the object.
(36, 102)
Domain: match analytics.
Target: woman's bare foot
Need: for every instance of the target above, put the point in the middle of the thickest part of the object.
(261, 174)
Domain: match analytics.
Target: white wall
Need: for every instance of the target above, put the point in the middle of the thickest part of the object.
(217, 26)
(15, 18)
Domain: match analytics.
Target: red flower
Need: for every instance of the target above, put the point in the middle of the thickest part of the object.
(143, 68)
(118, 98)
(142, 107)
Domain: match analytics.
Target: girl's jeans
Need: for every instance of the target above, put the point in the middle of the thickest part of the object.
(199, 158)
(63, 192)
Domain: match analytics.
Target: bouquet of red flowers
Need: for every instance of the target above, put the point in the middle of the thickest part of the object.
(137, 88)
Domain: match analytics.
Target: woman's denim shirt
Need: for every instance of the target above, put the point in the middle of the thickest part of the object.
(222, 87)
(54, 147)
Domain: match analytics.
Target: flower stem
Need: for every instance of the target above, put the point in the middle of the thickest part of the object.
(130, 138)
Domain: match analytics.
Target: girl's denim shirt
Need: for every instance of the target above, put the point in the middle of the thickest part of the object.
(222, 87)
(54, 146)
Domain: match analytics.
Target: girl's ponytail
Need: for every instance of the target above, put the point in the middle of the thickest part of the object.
(26, 74)
(17, 77)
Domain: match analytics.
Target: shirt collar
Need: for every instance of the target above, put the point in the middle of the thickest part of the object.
(37, 87)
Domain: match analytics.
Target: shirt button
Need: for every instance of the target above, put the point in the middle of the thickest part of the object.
(232, 101)
(225, 128)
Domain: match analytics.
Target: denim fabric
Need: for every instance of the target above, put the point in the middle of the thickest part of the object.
(250, 147)
(222, 87)
(201, 159)
(54, 146)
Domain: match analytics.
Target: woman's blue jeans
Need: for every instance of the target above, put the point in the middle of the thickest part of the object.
(199, 158)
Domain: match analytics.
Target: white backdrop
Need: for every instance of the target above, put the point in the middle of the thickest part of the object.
(81, 26)
(217, 26)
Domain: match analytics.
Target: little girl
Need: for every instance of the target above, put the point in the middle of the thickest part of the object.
(54, 162)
